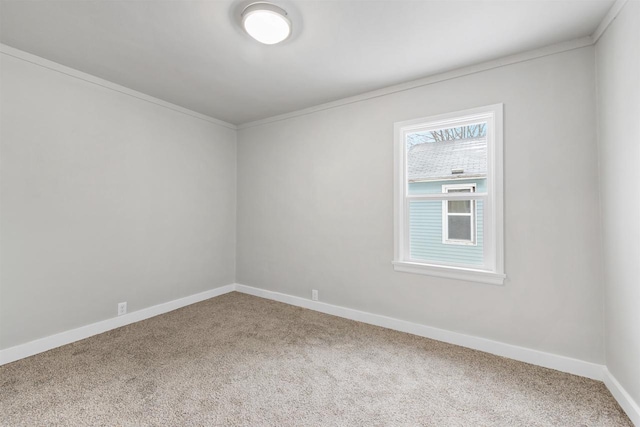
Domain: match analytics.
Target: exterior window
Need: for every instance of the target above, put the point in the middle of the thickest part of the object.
(458, 217)
(448, 196)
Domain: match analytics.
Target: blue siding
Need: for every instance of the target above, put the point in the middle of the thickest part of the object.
(425, 227)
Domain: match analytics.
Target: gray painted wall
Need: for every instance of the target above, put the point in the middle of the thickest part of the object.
(108, 198)
(618, 70)
(315, 209)
(105, 198)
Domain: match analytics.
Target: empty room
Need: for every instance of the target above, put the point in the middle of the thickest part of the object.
(320, 213)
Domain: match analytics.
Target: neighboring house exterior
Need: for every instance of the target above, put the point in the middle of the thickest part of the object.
(447, 232)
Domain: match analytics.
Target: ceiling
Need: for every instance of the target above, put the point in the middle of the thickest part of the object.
(194, 54)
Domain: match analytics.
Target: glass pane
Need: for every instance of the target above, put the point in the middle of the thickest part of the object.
(428, 243)
(453, 155)
(458, 190)
(459, 227)
(459, 206)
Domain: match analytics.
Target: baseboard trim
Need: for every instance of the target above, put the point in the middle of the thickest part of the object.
(523, 354)
(624, 399)
(31, 348)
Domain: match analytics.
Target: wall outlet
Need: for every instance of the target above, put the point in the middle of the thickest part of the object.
(314, 294)
(122, 308)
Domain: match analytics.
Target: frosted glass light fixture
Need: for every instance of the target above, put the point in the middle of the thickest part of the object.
(266, 22)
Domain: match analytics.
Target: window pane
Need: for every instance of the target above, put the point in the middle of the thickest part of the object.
(427, 239)
(446, 156)
(459, 206)
(459, 227)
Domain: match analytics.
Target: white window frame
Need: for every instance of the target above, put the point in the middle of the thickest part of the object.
(472, 215)
(492, 272)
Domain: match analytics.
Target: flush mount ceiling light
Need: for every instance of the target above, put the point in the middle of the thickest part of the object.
(266, 22)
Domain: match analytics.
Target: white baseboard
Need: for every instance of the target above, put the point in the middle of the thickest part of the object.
(624, 399)
(31, 348)
(535, 357)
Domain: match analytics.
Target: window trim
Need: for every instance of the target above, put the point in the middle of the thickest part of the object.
(472, 215)
(493, 270)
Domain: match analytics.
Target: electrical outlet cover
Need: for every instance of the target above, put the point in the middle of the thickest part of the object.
(122, 308)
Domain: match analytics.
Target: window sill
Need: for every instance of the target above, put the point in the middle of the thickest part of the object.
(458, 273)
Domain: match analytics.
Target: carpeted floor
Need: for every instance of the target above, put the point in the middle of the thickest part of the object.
(240, 360)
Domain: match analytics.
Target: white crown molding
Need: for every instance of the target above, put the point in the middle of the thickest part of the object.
(622, 397)
(449, 75)
(71, 72)
(31, 348)
(607, 20)
(459, 72)
(535, 357)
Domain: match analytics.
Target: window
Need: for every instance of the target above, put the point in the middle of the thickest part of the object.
(458, 216)
(448, 195)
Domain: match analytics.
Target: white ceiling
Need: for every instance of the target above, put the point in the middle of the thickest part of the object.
(193, 53)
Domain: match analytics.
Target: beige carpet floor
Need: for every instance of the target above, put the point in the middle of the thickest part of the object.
(238, 360)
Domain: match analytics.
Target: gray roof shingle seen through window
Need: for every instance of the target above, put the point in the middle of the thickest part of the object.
(434, 161)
